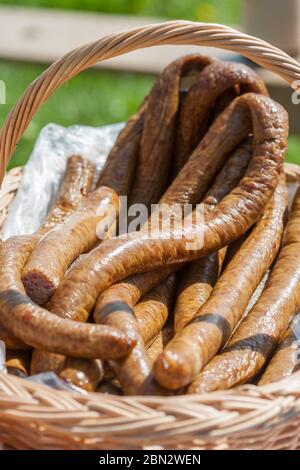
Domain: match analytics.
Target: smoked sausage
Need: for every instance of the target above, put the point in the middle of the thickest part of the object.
(158, 135)
(285, 360)
(198, 107)
(36, 326)
(211, 327)
(153, 310)
(257, 336)
(55, 252)
(134, 371)
(18, 362)
(199, 277)
(158, 345)
(84, 373)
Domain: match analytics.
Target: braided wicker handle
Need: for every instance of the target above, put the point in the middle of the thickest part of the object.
(173, 32)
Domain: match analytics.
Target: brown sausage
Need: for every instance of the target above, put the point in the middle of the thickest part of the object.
(153, 310)
(255, 339)
(127, 293)
(119, 168)
(200, 276)
(134, 371)
(18, 362)
(197, 109)
(159, 344)
(77, 183)
(11, 341)
(213, 324)
(285, 360)
(198, 280)
(84, 373)
(199, 171)
(36, 326)
(65, 242)
(233, 248)
(157, 140)
(45, 361)
(109, 387)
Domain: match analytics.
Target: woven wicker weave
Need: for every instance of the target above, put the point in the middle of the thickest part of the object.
(248, 417)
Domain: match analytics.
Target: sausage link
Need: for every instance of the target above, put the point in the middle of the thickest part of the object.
(134, 371)
(159, 344)
(118, 171)
(200, 276)
(46, 361)
(157, 140)
(126, 294)
(43, 361)
(257, 336)
(84, 373)
(77, 183)
(65, 242)
(224, 135)
(213, 324)
(18, 362)
(233, 248)
(198, 280)
(197, 109)
(154, 253)
(109, 387)
(11, 341)
(36, 326)
(153, 310)
(285, 360)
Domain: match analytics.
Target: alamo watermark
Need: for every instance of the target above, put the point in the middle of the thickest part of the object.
(159, 221)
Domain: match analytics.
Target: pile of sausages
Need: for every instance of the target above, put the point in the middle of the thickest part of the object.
(129, 313)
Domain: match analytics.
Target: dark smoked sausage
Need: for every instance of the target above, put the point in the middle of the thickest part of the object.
(285, 360)
(36, 326)
(200, 276)
(55, 252)
(198, 107)
(257, 336)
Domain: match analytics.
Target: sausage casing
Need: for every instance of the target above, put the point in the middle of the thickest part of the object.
(213, 324)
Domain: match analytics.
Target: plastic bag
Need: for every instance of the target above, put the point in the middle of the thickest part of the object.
(2, 357)
(46, 166)
(52, 380)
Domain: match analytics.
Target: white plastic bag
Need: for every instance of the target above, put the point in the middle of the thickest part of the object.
(2, 357)
(46, 166)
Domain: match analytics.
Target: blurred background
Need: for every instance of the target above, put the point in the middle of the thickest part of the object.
(33, 33)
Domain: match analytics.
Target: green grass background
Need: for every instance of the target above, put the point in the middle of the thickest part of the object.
(101, 97)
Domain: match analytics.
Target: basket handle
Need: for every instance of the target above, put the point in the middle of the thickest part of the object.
(171, 33)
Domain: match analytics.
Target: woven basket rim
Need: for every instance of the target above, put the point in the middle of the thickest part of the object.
(81, 421)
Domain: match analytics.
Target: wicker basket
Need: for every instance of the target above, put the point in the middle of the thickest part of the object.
(247, 417)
